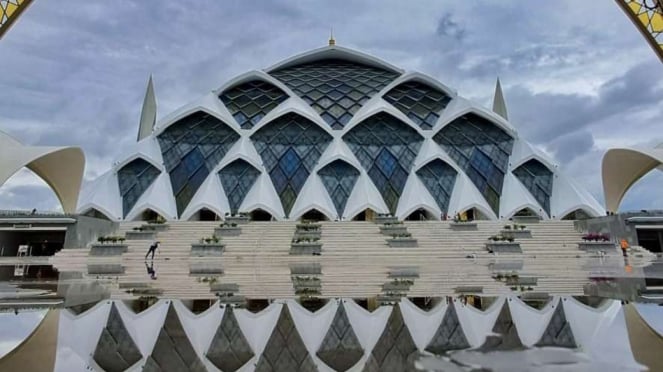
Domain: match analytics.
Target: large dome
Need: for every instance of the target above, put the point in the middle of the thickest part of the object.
(340, 133)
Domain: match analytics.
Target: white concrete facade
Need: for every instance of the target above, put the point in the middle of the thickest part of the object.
(102, 194)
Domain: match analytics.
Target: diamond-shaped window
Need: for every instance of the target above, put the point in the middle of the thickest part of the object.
(439, 178)
(339, 179)
(237, 178)
(481, 149)
(191, 148)
(336, 89)
(386, 147)
(538, 179)
(251, 101)
(134, 179)
(290, 147)
(420, 102)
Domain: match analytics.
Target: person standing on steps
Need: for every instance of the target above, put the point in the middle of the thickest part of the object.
(153, 248)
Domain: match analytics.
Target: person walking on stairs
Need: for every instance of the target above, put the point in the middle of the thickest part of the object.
(152, 248)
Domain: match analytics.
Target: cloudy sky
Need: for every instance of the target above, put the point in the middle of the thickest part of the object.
(578, 77)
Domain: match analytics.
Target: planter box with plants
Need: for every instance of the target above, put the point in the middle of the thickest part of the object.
(457, 224)
(101, 269)
(311, 268)
(140, 233)
(385, 218)
(207, 247)
(307, 292)
(228, 229)
(109, 246)
(527, 219)
(517, 231)
(239, 219)
(300, 281)
(393, 228)
(503, 244)
(402, 241)
(306, 246)
(204, 268)
(159, 224)
(224, 287)
(398, 285)
(594, 242)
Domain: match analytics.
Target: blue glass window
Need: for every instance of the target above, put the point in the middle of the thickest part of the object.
(191, 148)
(386, 148)
(237, 178)
(339, 179)
(250, 102)
(336, 89)
(439, 178)
(290, 147)
(134, 178)
(538, 179)
(481, 150)
(420, 102)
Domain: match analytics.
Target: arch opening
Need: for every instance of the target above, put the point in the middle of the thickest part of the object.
(578, 214)
(260, 215)
(205, 214)
(420, 214)
(95, 213)
(472, 214)
(366, 215)
(314, 215)
(149, 215)
(26, 191)
(526, 212)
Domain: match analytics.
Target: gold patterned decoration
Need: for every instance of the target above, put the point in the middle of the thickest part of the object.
(647, 15)
(10, 10)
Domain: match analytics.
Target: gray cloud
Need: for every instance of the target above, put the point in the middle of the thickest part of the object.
(447, 26)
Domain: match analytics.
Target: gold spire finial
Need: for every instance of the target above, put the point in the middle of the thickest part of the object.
(332, 41)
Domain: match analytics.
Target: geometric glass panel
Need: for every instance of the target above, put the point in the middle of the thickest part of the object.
(449, 335)
(116, 350)
(134, 178)
(395, 350)
(336, 89)
(285, 349)
(386, 147)
(339, 179)
(173, 350)
(290, 147)
(439, 178)
(558, 333)
(229, 350)
(191, 148)
(340, 349)
(538, 180)
(237, 179)
(505, 334)
(419, 102)
(482, 151)
(251, 101)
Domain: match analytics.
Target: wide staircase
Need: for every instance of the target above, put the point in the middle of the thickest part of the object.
(355, 260)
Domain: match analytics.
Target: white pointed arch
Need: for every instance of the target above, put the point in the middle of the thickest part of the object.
(622, 168)
(376, 106)
(60, 167)
(524, 152)
(210, 195)
(516, 197)
(147, 149)
(313, 195)
(209, 104)
(416, 196)
(291, 107)
(334, 52)
(158, 197)
(364, 195)
(102, 194)
(337, 150)
(466, 108)
(263, 196)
